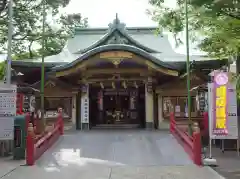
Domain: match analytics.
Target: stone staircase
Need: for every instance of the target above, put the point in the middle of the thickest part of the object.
(116, 126)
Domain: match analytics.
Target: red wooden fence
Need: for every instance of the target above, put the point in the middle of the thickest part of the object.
(191, 144)
(34, 149)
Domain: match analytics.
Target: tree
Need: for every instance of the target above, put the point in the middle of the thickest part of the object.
(28, 27)
(214, 24)
(220, 7)
(2, 70)
(27, 23)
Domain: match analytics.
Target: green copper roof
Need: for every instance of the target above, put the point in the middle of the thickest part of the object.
(110, 47)
(139, 40)
(145, 38)
(117, 34)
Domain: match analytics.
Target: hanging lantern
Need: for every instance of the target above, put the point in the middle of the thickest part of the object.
(135, 84)
(124, 84)
(113, 85)
(102, 86)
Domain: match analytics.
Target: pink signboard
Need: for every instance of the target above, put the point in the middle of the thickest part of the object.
(220, 103)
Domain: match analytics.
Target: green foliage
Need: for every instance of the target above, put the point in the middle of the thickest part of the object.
(2, 70)
(27, 36)
(220, 7)
(214, 24)
(28, 27)
(222, 38)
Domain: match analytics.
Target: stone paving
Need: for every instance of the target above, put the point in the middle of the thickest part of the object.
(8, 165)
(126, 154)
(228, 163)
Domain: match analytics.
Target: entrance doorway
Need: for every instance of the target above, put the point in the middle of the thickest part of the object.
(116, 107)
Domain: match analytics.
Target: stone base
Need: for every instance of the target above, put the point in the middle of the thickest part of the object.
(149, 125)
(84, 126)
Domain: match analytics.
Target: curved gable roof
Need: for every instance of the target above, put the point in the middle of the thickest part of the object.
(117, 27)
(112, 47)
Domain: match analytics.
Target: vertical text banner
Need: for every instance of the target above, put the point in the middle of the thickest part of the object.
(85, 104)
(220, 98)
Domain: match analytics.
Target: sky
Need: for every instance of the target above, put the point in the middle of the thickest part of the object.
(101, 12)
(131, 12)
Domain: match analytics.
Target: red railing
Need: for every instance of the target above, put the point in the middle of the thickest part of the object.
(191, 144)
(34, 149)
(205, 124)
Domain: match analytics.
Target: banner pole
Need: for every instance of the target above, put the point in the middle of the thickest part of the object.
(43, 65)
(9, 48)
(188, 71)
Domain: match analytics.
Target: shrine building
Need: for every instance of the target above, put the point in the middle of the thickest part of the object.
(117, 76)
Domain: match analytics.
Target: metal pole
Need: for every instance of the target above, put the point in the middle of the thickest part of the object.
(43, 56)
(9, 49)
(188, 71)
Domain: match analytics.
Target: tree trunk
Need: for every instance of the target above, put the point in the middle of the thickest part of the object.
(238, 64)
(30, 50)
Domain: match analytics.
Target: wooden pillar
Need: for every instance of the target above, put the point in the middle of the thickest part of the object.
(160, 112)
(78, 111)
(149, 97)
(74, 109)
(155, 109)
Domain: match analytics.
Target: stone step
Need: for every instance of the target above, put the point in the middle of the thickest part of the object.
(116, 126)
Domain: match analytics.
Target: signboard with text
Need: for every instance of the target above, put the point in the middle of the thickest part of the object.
(232, 122)
(7, 110)
(223, 117)
(85, 106)
(116, 55)
(220, 95)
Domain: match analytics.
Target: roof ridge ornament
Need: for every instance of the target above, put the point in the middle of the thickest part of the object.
(116, 24)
